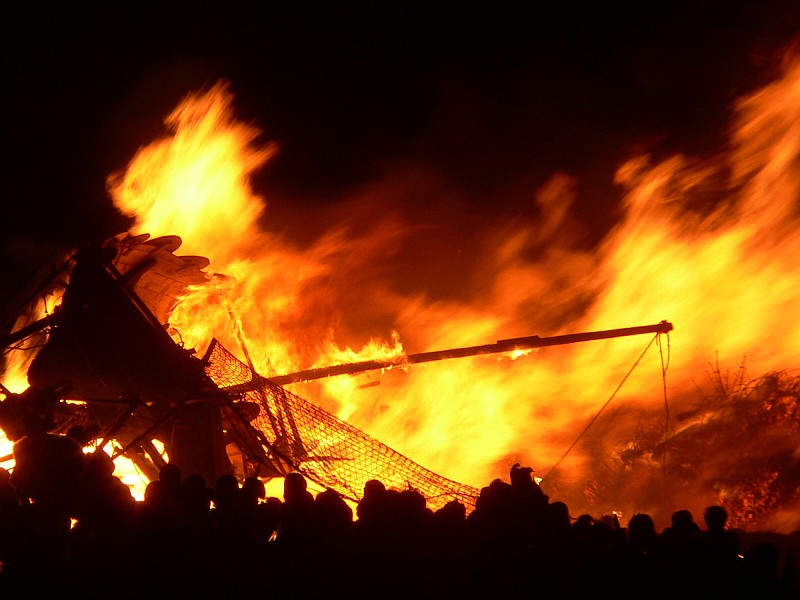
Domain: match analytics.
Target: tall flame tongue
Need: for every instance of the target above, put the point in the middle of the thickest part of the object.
(727, 277)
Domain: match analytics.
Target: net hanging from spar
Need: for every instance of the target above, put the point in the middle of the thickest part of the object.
(322, 447)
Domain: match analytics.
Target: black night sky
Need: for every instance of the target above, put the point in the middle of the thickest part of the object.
(494, 98)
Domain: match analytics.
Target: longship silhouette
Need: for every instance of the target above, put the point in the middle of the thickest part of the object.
(108, 364)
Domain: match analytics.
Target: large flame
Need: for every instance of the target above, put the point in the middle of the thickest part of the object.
(708, 244)
(727, 277)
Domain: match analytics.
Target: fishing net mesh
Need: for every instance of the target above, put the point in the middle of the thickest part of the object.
(322, 447)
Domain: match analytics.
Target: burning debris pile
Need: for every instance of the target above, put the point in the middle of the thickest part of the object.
(106, 351)
(742, 442)
(737, 446)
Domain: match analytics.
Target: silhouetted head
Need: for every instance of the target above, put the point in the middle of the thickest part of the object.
(496, 497)
(226, 491)
(170, 475)
(79, 434)
(584, 521)
(453, 511)
(413, 500)
(47, 465)
(195, 491)
(253, 489)
(641, 529)
(559, 513)
(99, 465)
(521, 475)
(371, 504)
(328, 497)
(294, 486)
(273, 506)
(330, 507)
(373, 487)
(715, 518)
(682, 519)
(154, 494)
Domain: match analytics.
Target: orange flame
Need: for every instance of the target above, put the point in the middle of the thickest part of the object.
(726, 277)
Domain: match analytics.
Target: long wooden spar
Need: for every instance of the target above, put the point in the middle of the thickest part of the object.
(509, 345)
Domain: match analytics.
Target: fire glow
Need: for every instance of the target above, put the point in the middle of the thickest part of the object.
(727, 278)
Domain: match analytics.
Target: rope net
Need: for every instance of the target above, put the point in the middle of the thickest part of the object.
(325, 449)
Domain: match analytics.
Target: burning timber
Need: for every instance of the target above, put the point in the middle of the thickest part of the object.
(108, 366)
(510, 345)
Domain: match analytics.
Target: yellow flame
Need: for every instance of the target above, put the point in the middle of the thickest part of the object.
(726, 277)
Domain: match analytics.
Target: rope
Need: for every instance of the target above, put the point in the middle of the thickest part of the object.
(664, 367)
(602, 408)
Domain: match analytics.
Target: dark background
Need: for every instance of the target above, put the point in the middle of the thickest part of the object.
(494, 98)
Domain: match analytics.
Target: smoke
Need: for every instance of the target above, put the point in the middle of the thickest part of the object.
(708, 243)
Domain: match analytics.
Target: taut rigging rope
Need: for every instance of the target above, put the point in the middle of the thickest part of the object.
(602, 408)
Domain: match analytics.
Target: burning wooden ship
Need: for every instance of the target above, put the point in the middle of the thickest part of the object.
(109, 365)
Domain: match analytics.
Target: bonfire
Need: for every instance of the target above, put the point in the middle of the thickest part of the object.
(600, 434)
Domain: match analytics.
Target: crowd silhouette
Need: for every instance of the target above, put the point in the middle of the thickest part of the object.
(69, 527)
